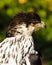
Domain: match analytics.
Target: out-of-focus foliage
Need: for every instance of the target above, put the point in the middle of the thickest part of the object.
(8, 8)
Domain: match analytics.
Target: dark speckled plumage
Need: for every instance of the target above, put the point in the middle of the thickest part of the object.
(21, 18)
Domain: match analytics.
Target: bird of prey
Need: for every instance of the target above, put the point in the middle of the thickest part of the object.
(18, 46)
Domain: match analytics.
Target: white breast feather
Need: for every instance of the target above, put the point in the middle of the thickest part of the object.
(12, 48)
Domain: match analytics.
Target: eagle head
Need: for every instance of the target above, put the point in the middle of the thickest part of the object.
(24, 23)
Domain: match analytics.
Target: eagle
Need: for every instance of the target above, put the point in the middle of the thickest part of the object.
(18, 48)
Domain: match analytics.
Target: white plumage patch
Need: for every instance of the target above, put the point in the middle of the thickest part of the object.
(16, 50)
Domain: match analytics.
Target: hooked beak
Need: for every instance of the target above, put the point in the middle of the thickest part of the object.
(43, 25)
(40, 25)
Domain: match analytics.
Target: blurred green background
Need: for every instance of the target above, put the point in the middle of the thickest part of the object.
(43, 37)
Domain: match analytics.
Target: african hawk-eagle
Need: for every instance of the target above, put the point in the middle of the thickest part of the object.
(18, 47)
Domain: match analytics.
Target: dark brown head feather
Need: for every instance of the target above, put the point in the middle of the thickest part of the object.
(26, 18)
(23, 17)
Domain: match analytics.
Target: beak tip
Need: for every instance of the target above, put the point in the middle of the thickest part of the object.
(44, 26)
